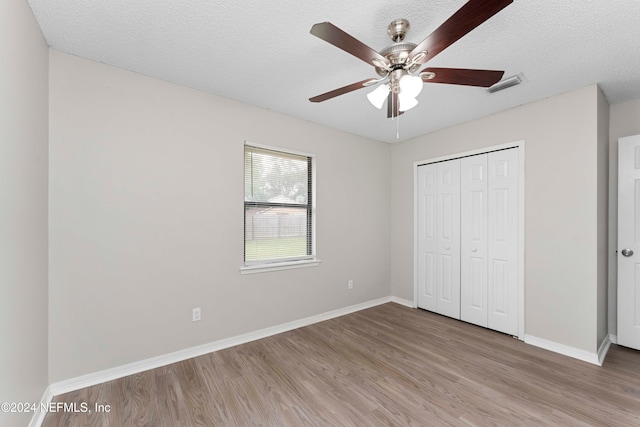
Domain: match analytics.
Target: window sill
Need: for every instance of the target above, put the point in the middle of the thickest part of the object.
(288, 265)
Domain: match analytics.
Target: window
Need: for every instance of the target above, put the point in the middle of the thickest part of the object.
(278, 206)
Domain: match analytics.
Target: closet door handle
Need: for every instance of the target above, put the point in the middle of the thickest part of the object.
(447, 248)
(474, 250)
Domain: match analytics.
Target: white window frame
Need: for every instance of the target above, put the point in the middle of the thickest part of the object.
(260, 266)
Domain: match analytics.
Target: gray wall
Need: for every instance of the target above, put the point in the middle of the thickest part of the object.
(23, 208)
(624, 121)
(561, 208)
(146, 218)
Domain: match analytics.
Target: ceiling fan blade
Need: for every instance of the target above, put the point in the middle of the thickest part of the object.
(468, 17)
(334, 35)
(341, 91)
(463, 76)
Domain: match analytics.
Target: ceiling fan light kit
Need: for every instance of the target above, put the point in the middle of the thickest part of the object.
(406, 86)
(398, 63)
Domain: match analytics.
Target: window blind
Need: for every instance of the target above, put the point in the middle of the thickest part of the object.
(277, 206)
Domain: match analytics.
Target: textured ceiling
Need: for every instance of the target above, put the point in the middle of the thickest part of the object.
(261, 52)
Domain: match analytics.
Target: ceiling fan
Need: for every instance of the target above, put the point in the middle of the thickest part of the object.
(397, 64)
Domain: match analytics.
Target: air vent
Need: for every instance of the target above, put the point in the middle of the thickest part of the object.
(506, 83)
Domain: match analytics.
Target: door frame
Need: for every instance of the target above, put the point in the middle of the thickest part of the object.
(521, 235)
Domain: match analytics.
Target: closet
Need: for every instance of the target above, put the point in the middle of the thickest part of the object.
(467, 239)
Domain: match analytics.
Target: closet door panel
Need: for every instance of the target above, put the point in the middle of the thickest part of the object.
(502, 286)
(473, 240)
(448, 238)
(427, 227)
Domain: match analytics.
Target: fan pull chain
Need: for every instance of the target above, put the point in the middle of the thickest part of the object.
(397, 117)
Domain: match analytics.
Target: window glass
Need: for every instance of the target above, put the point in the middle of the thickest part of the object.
(278, 208)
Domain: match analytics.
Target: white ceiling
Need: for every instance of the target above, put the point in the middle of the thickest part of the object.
(261, 52)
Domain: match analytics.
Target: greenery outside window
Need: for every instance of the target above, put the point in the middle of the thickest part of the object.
(278, 206)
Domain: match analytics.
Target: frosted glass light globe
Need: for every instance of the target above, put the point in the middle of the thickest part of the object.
(378, 96)
(411, 85)
(406, 102)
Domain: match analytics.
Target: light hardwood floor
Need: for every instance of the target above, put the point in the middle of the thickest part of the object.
(388, 365)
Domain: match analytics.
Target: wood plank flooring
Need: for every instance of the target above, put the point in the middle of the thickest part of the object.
(385, 366)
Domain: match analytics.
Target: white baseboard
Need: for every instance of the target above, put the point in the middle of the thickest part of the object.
(604, 349)
(88, 380)
(613, 338)
(576, 353)
(402, 301)
(38, 416)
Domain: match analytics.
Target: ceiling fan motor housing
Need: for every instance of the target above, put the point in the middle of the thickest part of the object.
(397, 54)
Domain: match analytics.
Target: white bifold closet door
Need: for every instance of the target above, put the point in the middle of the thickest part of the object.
(474, 247)
(439, 237)
(489, 240)
(467, 239)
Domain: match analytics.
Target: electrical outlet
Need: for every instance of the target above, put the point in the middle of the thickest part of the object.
(350, 284)
(195, 314)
